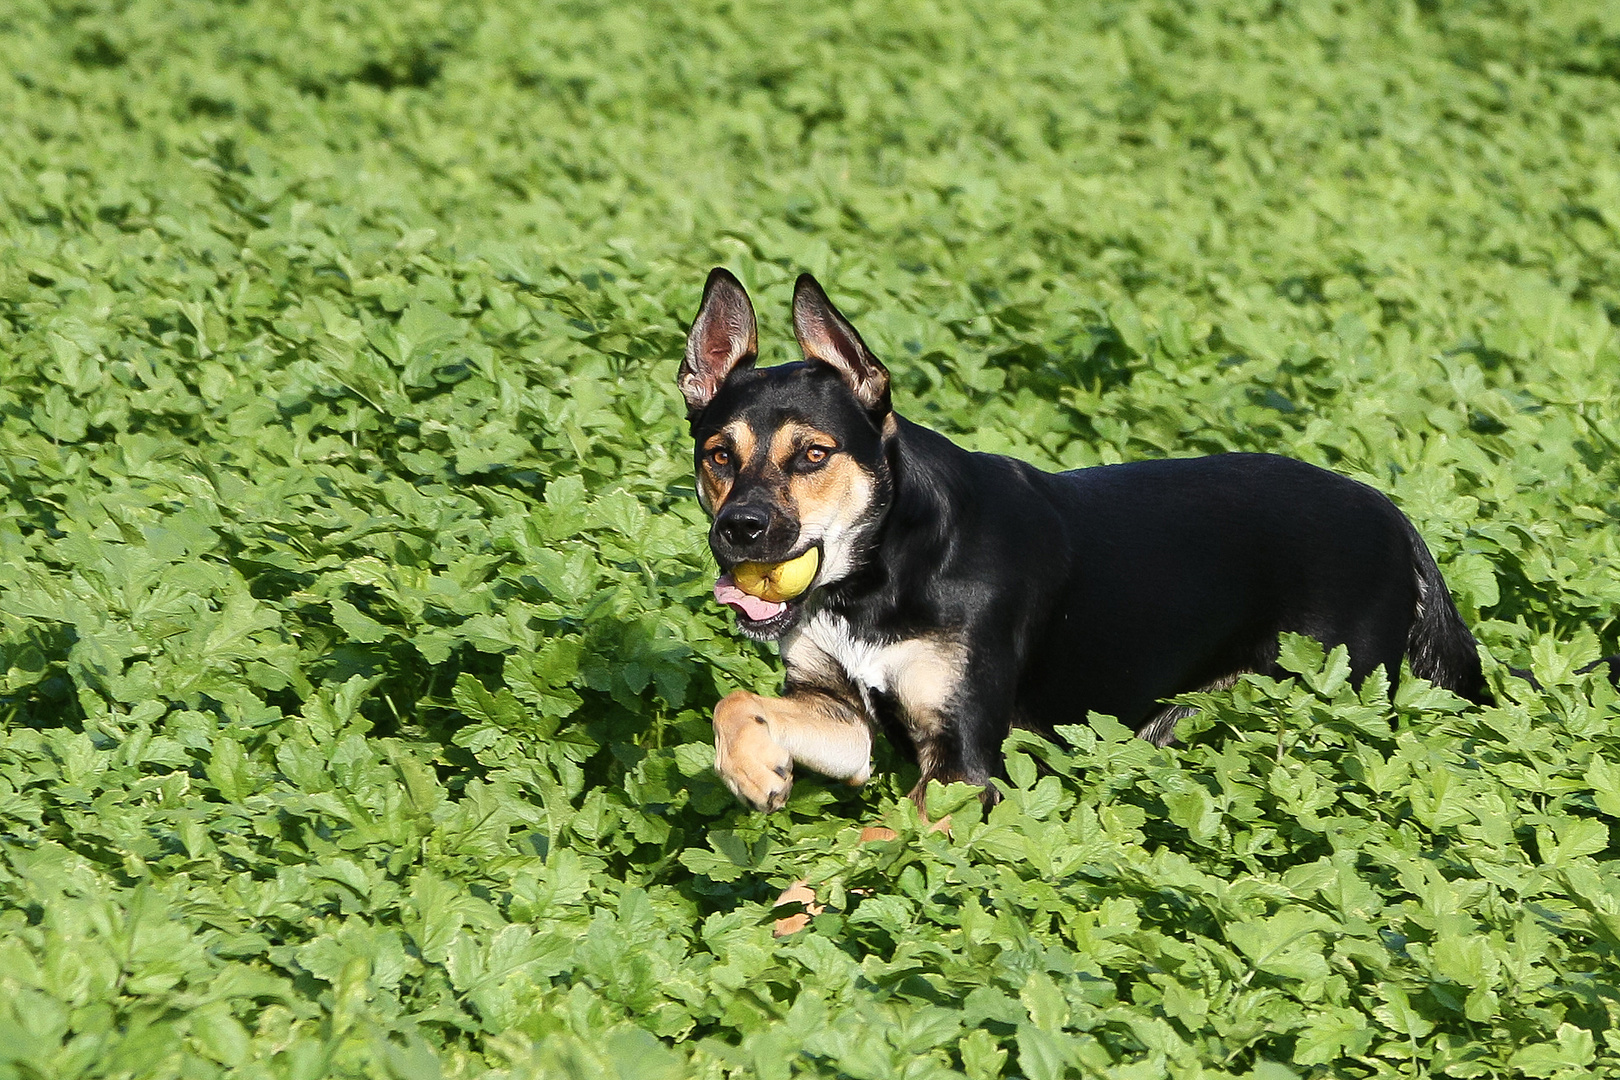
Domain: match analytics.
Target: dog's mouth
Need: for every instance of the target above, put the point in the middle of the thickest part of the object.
(763, 612)
(764, 620)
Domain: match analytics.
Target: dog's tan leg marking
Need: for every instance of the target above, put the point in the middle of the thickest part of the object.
(925, 676)
(758, 739)
(800, 892)
(797, 893)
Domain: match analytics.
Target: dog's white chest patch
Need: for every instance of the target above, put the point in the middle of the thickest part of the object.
(864, 663)
(921, 673)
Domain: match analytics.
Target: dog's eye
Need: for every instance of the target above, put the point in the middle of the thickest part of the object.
(815, 455)
(720, 457)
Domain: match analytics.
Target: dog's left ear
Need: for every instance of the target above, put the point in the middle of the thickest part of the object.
(827, 336)
(723, 339)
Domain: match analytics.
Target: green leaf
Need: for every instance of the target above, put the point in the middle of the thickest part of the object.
(1474, 579)
(229, 770)
(1572, 1048)
(1289, 944)
(1048, 1010)
(1604, 780)
(1040, 1053)
(983, 1058)
(541, 680)
(1329, 1036)
(220, 1035)
(356, 624)
(1397, 1013)
(1571, 838)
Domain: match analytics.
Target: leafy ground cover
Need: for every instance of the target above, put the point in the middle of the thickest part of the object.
(354, 628)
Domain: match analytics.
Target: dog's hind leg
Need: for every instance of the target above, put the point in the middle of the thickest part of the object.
(1439, 646)
(1160, 728)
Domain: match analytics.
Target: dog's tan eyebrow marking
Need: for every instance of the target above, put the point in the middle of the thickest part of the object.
(712, 488)
(738, 434)
(789, 439)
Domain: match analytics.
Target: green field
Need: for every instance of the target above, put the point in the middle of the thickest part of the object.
(355, 627)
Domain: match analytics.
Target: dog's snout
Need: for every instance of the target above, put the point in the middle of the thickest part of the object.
(742, 525)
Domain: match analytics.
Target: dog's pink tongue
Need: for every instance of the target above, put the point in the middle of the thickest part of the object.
(751, 607)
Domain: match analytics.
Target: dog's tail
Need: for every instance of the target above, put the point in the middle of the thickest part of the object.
(1439, 646)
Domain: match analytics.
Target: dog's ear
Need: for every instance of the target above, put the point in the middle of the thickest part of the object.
(723, 339)
(827, 336)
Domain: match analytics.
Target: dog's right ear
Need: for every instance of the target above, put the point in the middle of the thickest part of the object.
(723, 339)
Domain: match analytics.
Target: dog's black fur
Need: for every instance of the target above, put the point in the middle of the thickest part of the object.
(961, 594)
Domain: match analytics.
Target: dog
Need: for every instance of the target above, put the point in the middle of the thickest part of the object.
(956, 595)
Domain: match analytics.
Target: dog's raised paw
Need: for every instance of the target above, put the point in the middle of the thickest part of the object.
(756, 768)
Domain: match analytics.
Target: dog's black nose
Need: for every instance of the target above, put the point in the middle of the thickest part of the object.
(742, 525)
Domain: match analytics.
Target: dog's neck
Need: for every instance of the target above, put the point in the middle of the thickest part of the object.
(926, 472)
(923, 476)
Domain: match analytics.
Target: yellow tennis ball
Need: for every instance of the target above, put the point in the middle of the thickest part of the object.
(777, 582)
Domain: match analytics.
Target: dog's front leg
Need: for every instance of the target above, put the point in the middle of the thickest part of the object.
(959, 718)
(757, 741)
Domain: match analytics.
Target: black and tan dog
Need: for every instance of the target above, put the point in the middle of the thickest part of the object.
(945, 596)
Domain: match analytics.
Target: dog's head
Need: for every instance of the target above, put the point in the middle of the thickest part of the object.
(789, 458)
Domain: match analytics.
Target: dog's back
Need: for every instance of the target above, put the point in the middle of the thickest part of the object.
(1200, 563)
